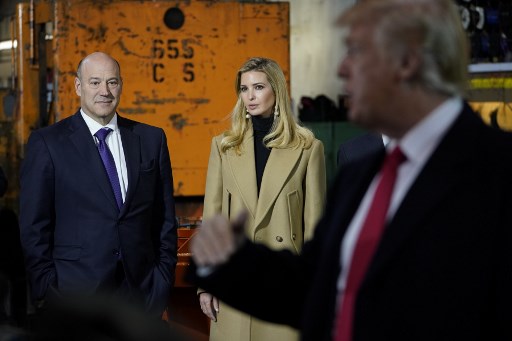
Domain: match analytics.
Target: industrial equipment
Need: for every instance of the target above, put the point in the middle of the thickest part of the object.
(178, 62)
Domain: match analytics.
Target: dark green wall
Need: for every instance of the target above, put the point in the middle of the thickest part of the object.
(332, 134)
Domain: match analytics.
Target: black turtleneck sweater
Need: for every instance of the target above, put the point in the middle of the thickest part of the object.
(261, 126)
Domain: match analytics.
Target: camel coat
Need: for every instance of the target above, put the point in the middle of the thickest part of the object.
(291, 200)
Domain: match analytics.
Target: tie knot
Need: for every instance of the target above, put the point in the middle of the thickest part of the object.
(396, 157)
(102, 133)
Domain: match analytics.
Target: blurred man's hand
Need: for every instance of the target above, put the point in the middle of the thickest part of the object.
(217, 240)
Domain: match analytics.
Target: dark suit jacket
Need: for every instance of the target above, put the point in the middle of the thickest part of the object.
(359, 147)
(442, 271)
(71, 228)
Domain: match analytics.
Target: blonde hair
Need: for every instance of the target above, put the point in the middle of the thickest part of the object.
(285, 131)
(433, 24)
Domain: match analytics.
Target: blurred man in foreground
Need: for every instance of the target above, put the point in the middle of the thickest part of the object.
(415, 242)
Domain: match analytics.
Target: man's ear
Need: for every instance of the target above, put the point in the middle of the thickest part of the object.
(78, 85)
(121, 84)
(409, 64)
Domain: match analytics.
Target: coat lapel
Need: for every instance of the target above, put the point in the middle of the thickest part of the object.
(131, 147)
(243, 170)
(82, 140)
(280, 164)
(425, 193)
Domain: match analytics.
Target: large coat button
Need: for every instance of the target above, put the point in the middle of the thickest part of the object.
(279, 239)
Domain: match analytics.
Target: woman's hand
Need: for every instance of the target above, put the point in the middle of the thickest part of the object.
(209, 305)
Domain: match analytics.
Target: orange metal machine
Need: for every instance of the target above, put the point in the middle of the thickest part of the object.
(178, 62)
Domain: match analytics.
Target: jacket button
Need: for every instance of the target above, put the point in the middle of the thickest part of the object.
(294, 236)
(115, 252)
(279, 239)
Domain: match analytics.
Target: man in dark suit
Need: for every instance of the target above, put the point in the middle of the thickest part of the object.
(96, 212)
(359, 147)
(415, 247)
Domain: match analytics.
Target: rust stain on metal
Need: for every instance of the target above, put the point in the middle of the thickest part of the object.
(128, 32)
(178, 188)
(64, 74)
(136, 111)
(178, 121)
(101, 4)
(206, 120)
(129, 52)
(95, 34)
(160, 101)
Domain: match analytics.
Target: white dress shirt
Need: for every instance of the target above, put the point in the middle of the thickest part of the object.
(417, 145)
(115, 145)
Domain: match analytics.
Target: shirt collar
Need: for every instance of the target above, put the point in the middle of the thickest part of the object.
(385, 139)
(419, 142)
(95, 126)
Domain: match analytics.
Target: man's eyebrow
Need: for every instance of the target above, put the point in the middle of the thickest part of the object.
(99, 78)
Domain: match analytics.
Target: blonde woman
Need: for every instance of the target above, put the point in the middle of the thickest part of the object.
(270, 166)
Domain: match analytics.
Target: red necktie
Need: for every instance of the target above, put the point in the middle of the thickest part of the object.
(370, 234)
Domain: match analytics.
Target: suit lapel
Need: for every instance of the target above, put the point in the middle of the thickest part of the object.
(131, 147)
(243, 170)
(84, 143)
(280, 164)
(449, 159)
(346, 195)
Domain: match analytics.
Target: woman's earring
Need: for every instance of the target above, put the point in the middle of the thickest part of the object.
(247, 115)
(276, 111)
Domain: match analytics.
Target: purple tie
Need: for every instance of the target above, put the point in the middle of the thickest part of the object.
(110, 165)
